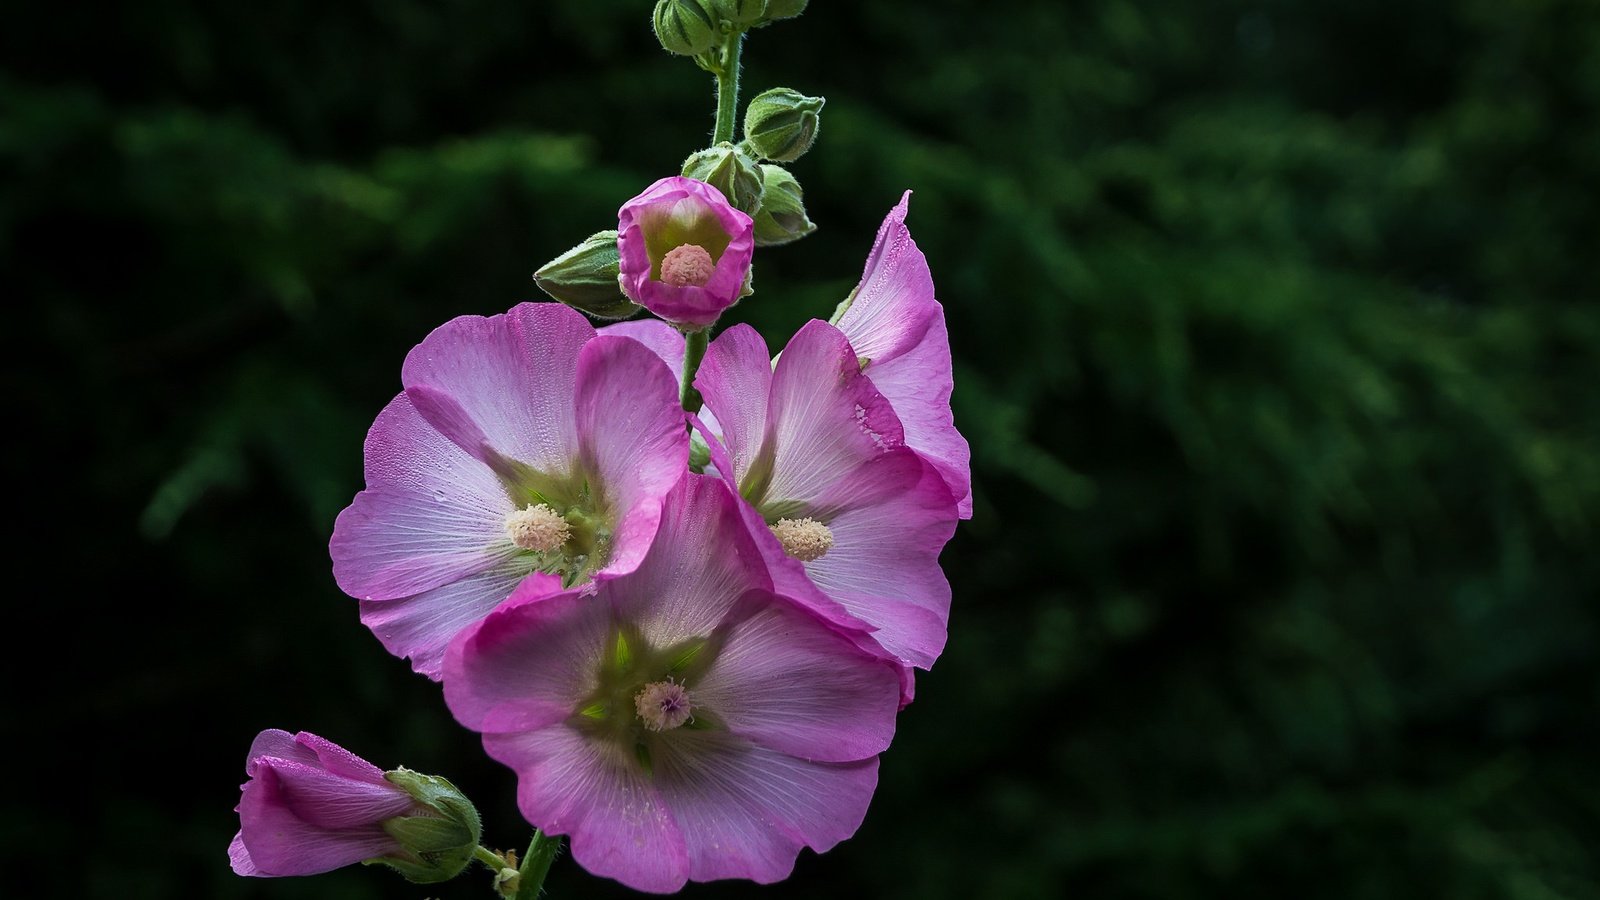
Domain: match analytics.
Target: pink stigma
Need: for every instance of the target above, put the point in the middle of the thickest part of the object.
(687, 265)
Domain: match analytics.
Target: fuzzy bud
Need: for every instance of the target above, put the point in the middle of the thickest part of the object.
(783, 9)
(437, 845)
(585, 278)
(782, 216)
(741, 13)
(685, 27)
(730, 171)
(781, 124)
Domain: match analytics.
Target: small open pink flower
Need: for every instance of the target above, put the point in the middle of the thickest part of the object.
(684, 252)
(312, 806)
(898, 327)
(836, 500)
(684, 722)
(523, 442)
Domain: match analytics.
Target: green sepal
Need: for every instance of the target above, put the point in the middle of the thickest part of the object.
(783, 9)
(739, 12)
(684, 27)
(428, 834)
(585, 278)
(436, 847)
(417, 872)
(781, 124)
(442, 797)
(699, 453)
(729, 170)
(782, 217)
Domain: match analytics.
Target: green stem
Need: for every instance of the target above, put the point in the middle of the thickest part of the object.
(490, 858)
(728, 89)
(694, 350)
(541, 853)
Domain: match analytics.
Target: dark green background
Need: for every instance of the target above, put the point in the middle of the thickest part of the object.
(1275, 339)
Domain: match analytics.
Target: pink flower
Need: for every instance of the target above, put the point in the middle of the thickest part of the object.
(898, 327)
(837, 501)
(312, 806)
(684, 722)
(522, 442)
(684, 253)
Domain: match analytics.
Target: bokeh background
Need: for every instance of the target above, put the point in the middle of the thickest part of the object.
(1275, 338)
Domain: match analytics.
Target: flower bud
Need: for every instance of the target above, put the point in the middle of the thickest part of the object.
(781, 124)
(739, 12)
(685, 27)
(684, 252)
(782, 216)
(784, 9)
(730, 171)
(439, 843)
(585, 278)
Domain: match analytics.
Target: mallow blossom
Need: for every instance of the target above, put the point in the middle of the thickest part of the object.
(836, 499)
(523, 442)
(683, 721)
(312, 806)
(898, 328)
(683, 252)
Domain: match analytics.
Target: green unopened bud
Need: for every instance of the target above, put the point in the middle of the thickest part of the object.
(685, 27)
(739, 12)
(439, 841)
(782, 216)
(585, 278)
(781, 124)
(730, 171)
(784, 9)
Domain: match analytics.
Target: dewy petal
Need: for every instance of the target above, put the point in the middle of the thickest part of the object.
(326, 800)
(663, 340)
(735, 379)
(310, 750)
(656, 216)
(239, 858)
(278, 842)
(896, 323)
(420, 627)
(635, 441)
(824, 418)
(745, 810)
(787, 682)
(430, 515)
(894, 303)
(505, 381)
(528, 664)
(594, 792)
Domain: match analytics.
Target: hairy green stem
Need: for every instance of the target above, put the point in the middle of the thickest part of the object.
(694, 350)
(728, 89)
(541, 853)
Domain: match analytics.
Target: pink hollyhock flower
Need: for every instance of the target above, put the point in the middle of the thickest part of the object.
(312, 806)
(523, 442)
(684, 722)
(684, 253)
(836, 498)
(898, 327)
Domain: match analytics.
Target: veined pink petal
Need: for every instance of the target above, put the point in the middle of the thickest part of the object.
(789, 683)
(663, 340)
(278, 842)
(634, 437)
(420, 627)
(669, 212)
(329, 800)
(745, 811)
(735, 378)
(593, 792)
(430, 515)
(894, 303)
(239, 858)
(918, 383)
(511, 376)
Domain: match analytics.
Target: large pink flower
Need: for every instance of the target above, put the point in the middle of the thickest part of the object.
(683, 252)
(312, 806)
(684, 722)
(836, 498)
(898, 327)
(523, 442)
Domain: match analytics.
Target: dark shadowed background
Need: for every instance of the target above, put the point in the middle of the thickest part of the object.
(1275, 338)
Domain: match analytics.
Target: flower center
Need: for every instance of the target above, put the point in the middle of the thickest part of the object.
(687, 265)
(804, 539)
(538, 527)
(663, 705)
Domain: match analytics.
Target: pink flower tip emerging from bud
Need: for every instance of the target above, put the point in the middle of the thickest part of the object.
(683, 252)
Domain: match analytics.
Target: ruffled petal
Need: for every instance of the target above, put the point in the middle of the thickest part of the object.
(745, 811)
(239, 858)
(431, 514)
(419, 628)
(593, 792)
(735, 378)
(278, 842)
(894, 303)
(504, 384)
(663, 340)
(321, 798)
(918, 384)
(789, 683)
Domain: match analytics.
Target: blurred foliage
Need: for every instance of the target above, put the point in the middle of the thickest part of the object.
(1275, 337)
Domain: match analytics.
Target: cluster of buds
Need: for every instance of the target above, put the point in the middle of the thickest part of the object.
(693, 27)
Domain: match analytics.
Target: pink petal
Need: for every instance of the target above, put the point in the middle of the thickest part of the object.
(340, 761)
(430, 515)
(894, 303)
(278, 842)
(588, 789)
(239, 858)
(745, 811)
(420, 627)
(787, 682)
(824, 418)
(735, 378)
(663, 340)
(321, 798)
(510, 378)
(918, 383)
